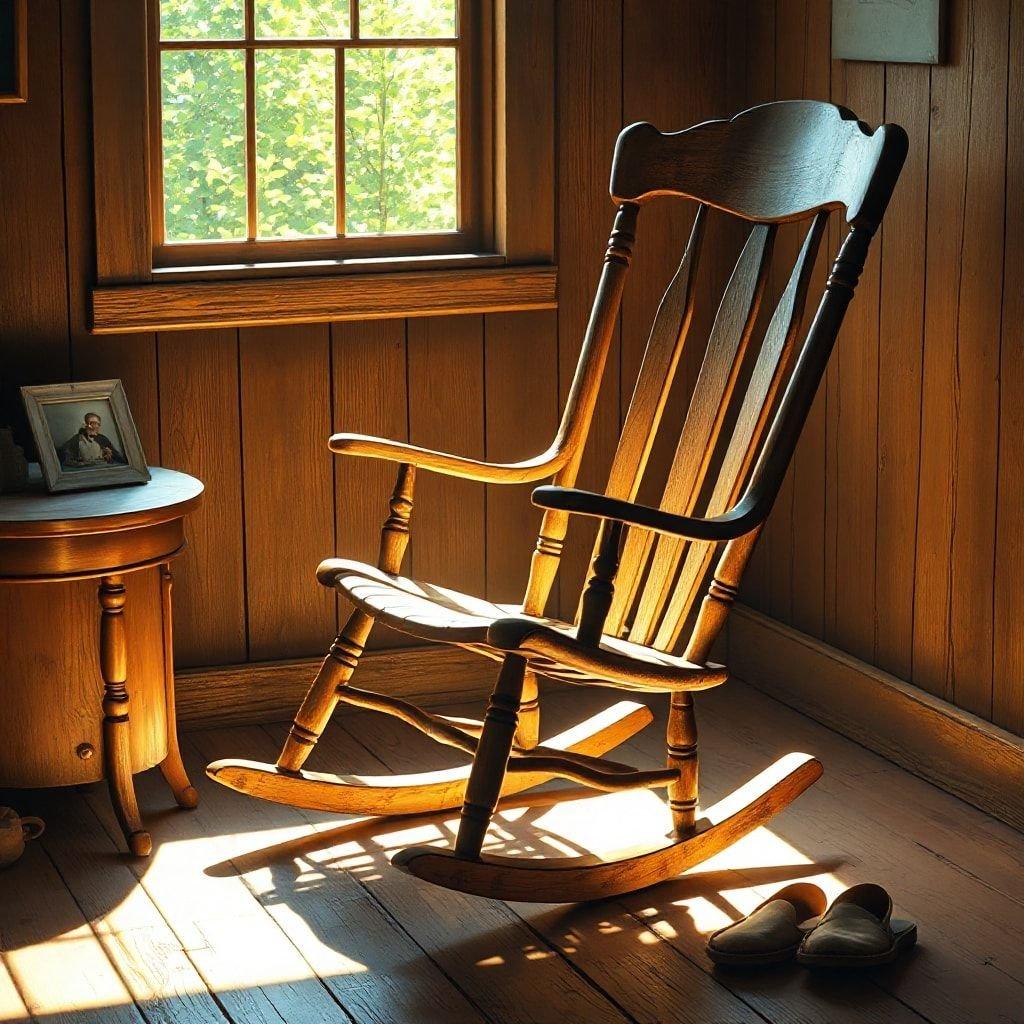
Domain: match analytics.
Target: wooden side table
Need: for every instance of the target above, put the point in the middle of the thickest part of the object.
(60, 703)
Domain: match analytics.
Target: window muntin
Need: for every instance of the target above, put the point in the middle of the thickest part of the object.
(276, 145)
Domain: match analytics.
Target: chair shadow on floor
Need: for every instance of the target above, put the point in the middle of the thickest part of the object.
(299, 868)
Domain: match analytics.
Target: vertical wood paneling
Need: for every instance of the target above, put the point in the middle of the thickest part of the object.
(1008, 676)
(977, 361)
(861, 88)
(521, 422)
(921, 576)
(446, 411)
(369, 398)
(752, 31)
(132, 357)
(808, 523)
(200, 434)
(33, 287)
(886, 539)
(589, 78)
(903, 241)
(949, 131)
(791, 56)
(672, 78)
(288, 488)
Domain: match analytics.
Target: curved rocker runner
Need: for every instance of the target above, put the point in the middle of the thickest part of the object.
(773, 164)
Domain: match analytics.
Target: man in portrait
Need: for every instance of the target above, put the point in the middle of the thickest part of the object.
(89, 447)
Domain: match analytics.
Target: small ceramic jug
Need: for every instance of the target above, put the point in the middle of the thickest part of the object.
(15, 831)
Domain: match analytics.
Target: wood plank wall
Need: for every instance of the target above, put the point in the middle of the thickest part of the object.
(249, 411)
(899, 537)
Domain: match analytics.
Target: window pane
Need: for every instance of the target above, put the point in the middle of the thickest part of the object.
(204, 144)
(302, 19)
(406, 19)
(202, 19)
(400, 140)
(295, 176)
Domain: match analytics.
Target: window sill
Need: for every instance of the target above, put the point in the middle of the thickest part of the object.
(172, 301)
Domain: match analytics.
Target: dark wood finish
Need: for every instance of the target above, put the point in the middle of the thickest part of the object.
(121, 154)
(18, 93)
(168, 307)
(113, 535)
(918, 480)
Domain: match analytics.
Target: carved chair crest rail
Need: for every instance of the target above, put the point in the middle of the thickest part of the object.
(640, 624)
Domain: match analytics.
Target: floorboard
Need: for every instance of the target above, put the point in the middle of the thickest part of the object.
(254, 912)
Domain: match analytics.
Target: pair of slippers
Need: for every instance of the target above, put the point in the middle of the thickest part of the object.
(858, 930)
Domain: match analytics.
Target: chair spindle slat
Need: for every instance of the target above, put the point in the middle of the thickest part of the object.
(730, 334)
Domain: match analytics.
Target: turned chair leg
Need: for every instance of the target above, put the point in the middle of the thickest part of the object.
(116, 742)
(528, 730)
(682, 756)
(171, 767)
(319, 703)
(491, 761)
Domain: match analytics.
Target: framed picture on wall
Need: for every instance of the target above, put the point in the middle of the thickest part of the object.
(85, 435)
(13, 51)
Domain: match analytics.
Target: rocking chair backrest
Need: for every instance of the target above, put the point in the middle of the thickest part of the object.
(777, 163)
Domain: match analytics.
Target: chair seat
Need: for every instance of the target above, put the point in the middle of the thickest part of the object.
(442, 615)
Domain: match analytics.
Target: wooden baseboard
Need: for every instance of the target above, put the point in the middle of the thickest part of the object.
(270, 691)
(957, 751)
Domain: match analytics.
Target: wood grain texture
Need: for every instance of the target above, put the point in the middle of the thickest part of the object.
(288, 486)
(929, 592)
(900, 340)
(268, 691)
(300, 300)
(807, 532)
(590, 115)
(959, 752)
(369, 367)
(977, 362)
(446, 411)
(520, 422)
(949, 134)
(1008, 667)
(33, 295)
(524, 85)
(862, 88)
(120, 98)
(201, 434)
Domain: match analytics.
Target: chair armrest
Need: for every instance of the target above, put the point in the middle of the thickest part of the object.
(537, 468)
(734, 523)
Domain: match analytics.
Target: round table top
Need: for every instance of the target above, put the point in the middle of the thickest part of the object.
(35, 512)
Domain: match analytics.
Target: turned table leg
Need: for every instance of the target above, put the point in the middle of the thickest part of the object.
(116, 744)
(171, 767)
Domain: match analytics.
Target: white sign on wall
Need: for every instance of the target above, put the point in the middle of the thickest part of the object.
(908, 31)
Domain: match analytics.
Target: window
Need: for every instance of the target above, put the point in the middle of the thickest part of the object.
(286, 199)
(306, 129)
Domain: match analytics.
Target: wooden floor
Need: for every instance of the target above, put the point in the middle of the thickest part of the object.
(258, 913)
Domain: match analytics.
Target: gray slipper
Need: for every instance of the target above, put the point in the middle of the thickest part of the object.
(772, 932)
(858, 930)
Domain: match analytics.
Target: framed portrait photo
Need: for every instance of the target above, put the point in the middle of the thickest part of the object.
(85, 435)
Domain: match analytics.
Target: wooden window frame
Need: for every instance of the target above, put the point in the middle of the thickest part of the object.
(515, 227)
(473, 232)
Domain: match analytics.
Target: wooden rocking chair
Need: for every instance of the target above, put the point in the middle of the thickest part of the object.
(776, 163)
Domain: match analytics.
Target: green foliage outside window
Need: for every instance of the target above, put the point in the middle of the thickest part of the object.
(399, 121)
